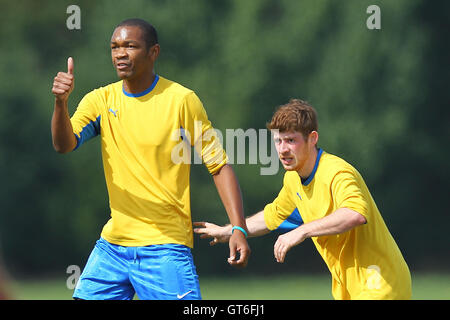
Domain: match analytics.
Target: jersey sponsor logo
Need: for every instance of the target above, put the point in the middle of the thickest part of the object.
(114, 112)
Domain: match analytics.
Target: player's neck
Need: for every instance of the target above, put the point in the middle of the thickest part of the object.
(306, 170)
(138, 84)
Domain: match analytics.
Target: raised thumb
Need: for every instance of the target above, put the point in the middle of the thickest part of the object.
(70, 65)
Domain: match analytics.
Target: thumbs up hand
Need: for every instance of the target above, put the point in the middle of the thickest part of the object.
(63, 83)
(70, 65)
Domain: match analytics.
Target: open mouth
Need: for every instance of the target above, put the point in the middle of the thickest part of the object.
(287, 161)
(122, 65)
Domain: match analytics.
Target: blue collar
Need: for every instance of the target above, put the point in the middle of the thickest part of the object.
(311, 176)
(143, 93)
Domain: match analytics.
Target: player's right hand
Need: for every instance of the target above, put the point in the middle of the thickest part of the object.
(64, 82)
(211, 230)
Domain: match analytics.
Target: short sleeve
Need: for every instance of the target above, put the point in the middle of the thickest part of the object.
(86, 119)
(349, 191)
(201, 133)
(280, 209)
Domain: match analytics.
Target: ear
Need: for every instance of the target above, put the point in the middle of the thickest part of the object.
(154, 52)
(313, 138)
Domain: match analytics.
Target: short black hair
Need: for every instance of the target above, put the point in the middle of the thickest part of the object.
(149, 32)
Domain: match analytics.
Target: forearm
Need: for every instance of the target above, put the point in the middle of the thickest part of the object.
(229, 191)
(230, 194)
(256, 226)
(339, 221)
(62, 132)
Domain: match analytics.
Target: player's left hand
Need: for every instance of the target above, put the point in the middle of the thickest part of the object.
(285, 242)
(239, 250)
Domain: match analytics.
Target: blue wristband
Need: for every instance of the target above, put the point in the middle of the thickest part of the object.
(240, 229)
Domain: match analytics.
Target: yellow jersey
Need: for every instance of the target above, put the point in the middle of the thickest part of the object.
(365, 262)
(146, 172)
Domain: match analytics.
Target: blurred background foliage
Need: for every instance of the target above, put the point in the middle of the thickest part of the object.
(382, 98)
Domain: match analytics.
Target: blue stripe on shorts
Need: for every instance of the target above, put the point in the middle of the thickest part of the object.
(156, 272)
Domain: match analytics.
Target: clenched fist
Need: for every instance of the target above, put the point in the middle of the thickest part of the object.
(64, 82)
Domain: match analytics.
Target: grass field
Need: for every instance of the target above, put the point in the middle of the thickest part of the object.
(425, 287)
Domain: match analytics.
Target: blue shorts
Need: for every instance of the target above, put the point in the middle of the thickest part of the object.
(156, 272)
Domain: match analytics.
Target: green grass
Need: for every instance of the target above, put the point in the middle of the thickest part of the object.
(267, 288)
(291, 287)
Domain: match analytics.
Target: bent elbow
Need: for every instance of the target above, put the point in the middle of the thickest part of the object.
(359, 219)
(354, 219)
(61, 149)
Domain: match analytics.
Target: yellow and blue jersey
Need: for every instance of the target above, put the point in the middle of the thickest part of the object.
(365, 262)
(148, 188)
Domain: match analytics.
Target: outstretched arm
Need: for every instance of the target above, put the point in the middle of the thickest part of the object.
(255, 224)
